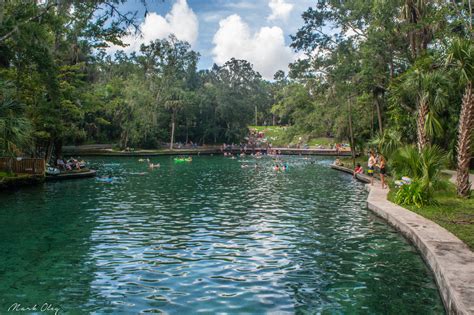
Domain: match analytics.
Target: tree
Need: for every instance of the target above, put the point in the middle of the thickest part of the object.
(427, 89)
(54, 40)
(15, 129)
(174, 102)
(238, 90)
(461, 57)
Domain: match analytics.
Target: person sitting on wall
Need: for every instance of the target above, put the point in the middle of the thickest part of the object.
(358, 169)
(338, 163)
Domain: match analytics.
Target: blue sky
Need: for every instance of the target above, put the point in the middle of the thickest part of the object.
(256, 30)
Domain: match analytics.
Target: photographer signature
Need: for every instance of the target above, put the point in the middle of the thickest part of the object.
(45, 307)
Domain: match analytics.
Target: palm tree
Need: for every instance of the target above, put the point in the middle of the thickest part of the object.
(387, 142)
(461, 56)
(429, 91)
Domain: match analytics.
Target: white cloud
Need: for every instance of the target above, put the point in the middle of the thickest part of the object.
(242, 5)
(280, 9)
(210, 17)
(265, 49)
(180, 21)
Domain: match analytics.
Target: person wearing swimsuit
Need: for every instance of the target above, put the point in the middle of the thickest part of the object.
(371, 164)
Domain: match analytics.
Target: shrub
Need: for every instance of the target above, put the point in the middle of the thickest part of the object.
(413, 194)
(424, 168)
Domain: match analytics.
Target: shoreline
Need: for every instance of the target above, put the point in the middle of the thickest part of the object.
(450, 259)
(198, 151)
(20, 181)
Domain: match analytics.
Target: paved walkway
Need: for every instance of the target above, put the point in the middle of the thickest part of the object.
(453, 177)
(451, 261)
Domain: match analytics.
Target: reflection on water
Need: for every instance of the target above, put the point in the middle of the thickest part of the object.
(208, 236)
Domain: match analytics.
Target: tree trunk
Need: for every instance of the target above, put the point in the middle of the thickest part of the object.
(352, 135)
(392, 68)
(49, 151)
(124, 140)
(58, 148)
(420, 124)
(372, 122)
(172, 130)
(187, 133)
(10, 165)
(2, 8)
(466, 120)
(379, 113)
(256, 115)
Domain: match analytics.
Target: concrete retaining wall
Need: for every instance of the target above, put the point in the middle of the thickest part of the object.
(451, 261)
(362, 177)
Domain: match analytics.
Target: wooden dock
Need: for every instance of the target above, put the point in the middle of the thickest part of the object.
(71, 175)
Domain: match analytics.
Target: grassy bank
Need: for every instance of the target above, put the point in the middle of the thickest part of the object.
(281, 136)
(454, 214)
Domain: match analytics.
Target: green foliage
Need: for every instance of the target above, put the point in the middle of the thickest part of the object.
(420, 86)
(387, 56)
(15, 128)
(449, 211)
(423, 167)
(379, 58)
(461, 56)
(413, 194)
(388, 142)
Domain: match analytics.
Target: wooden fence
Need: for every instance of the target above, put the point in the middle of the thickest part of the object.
(22, 165)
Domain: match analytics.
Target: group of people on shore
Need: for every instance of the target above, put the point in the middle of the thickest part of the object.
(70, 164)
(380, 163)
(374, 162)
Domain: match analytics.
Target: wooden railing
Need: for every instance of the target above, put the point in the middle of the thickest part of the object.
(22, 165)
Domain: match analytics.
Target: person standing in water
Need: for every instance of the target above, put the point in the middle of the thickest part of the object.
(371, 165)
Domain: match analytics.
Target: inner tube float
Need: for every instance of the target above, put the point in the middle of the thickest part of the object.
(105, 179)
(182, 160)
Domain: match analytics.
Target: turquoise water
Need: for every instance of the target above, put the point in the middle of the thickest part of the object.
(208, 236)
